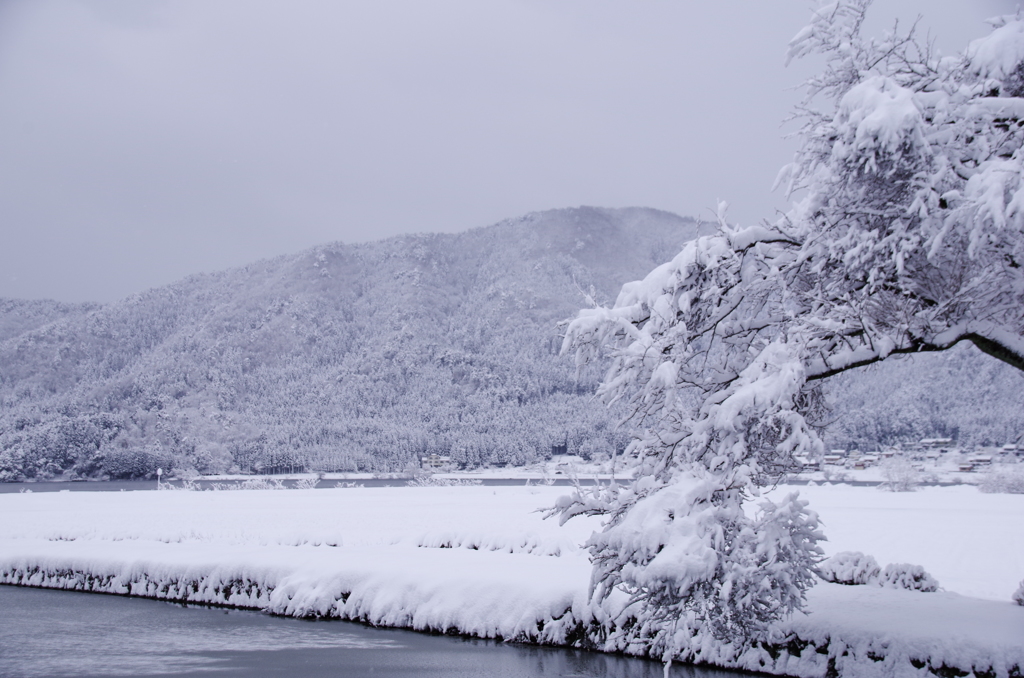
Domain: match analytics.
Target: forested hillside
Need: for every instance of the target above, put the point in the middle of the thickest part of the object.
(18, 316)
(343, 357)
(960, 393)
(366, 357)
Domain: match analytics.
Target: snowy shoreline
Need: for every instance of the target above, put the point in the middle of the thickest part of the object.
(850, 631)
(478, 561)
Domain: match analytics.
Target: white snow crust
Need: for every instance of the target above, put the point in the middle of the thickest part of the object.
(480, 561)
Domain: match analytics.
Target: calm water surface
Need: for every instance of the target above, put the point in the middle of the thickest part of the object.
(64, 633)
(133, 485)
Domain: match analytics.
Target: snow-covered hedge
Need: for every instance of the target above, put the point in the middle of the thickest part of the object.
(1018, 595)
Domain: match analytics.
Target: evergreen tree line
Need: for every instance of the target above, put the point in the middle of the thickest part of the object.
(367, 357)
(342, 358)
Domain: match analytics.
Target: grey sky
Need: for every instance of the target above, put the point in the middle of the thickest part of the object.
(141, 141)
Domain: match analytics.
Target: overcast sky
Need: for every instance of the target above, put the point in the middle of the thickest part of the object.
(143, 140)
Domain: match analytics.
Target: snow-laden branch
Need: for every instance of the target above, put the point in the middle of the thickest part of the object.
(909, 237)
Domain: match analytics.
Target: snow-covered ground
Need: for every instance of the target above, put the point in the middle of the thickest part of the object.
(972, 542)
(482, 560)
(357, 516)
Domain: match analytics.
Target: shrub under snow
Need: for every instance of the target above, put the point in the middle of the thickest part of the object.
(1018, 595)
(854, 567)
(1008, 482)
(906, 576)
(849, 567)
(900, 475)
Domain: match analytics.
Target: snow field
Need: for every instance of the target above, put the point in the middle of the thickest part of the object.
(481, 560)
(502, 518)
(972, 542)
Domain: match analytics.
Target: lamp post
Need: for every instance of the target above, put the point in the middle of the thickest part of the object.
(159, 472)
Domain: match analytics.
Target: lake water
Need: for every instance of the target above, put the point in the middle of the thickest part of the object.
(134, 485)
(64, 633)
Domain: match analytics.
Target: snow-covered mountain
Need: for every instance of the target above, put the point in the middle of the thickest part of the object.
(369, 356)
(342, 357)
(18, 316)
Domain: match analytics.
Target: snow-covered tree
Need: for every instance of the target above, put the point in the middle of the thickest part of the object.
(905, 236)
(909, 237)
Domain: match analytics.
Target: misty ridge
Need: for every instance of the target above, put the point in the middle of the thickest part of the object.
(366, 357)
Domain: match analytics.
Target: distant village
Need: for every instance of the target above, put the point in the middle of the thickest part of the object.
(930, 460)
(934, 459)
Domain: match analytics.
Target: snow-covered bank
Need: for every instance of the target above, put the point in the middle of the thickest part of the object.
(482, 593)
(479, 560)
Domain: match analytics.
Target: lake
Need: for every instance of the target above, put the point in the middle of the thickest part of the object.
(65, 633)
(134, 485)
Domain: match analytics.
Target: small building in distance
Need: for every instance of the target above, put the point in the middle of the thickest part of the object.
(835, 457)
(940, 444)
(805, 465)
(1011, 450)
(862, 462)
(977, 460)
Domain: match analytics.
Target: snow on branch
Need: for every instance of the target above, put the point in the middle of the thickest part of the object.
(907, 235)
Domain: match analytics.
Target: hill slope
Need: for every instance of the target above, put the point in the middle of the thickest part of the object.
(18, 316)
(341, 357)
(366, 357)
